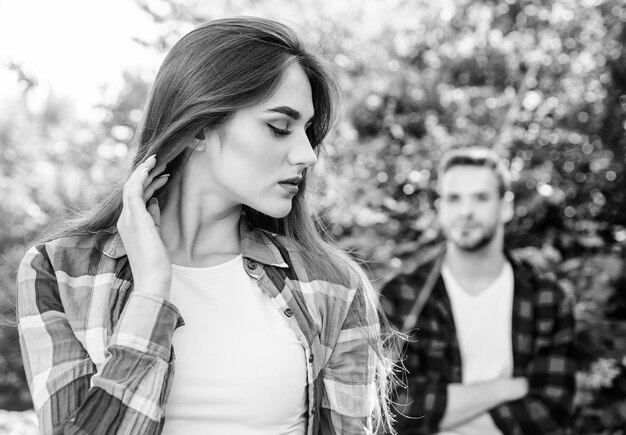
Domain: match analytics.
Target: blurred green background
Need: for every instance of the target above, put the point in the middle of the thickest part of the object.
(542, 82)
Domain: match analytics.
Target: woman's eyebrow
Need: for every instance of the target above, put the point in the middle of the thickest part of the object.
(286, 110)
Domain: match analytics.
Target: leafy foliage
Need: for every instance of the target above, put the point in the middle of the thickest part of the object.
(543, 83)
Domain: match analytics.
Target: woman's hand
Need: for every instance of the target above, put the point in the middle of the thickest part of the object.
(139, 228)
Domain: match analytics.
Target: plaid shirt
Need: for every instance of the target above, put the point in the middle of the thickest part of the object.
(543, 348)
(98, 355)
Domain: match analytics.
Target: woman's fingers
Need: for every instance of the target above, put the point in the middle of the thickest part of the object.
(153, 174)
(155, 212)
(140, 175)
(133, 188)
(154, 186)
(147, 255)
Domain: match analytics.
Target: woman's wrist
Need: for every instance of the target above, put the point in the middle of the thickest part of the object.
(155, 288)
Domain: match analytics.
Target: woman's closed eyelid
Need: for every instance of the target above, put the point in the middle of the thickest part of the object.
(280, 125)
(278, 131)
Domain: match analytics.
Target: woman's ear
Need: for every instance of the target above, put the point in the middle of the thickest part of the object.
(200, 142)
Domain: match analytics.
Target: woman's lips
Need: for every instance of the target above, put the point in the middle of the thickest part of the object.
(289, 187)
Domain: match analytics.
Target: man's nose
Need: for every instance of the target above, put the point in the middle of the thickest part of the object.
(467, 207)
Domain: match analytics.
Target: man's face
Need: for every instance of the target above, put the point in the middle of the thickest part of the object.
(471, 211)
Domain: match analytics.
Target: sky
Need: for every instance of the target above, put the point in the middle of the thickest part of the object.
(72, 47)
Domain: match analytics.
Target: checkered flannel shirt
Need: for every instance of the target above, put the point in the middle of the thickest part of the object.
(98, 355)
(543, 352)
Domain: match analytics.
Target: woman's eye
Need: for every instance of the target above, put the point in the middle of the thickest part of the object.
(279, 131)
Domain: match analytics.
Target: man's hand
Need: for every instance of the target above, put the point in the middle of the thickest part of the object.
(469, 401)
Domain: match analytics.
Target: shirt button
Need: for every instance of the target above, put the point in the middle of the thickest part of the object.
(311, 358)
(288, 312)
(252, 264)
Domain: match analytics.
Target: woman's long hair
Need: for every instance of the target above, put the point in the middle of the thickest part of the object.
(215, 70)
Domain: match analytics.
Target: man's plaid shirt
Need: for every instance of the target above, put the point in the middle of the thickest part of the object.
(543, 352)
(98, 355)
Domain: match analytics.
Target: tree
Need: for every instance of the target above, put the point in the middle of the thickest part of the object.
(544, 83)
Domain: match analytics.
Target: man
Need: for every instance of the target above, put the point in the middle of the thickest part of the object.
(491, 344)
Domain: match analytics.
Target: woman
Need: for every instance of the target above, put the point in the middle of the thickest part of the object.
(281, 331)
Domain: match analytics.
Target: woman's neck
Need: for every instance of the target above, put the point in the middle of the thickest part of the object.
(197, 227)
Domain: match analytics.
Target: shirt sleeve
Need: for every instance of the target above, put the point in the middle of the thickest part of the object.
(422, 401)
(125, 393)
(349, 378)
(550, 373)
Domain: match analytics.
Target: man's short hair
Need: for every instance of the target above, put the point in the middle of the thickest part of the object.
(480, 157)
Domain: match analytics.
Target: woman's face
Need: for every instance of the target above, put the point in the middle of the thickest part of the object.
(259, 158)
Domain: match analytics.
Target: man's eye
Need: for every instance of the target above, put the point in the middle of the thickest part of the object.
(279, 131)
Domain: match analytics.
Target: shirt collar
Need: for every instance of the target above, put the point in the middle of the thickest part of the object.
(255, 244)
(258, 245)
(113, 246)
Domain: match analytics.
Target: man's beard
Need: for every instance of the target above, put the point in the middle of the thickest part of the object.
(475, 245)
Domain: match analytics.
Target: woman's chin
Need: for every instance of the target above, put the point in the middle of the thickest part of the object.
(278, 211)
(278, 214)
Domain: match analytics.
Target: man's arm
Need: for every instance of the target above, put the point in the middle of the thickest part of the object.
(469, 401)
(551, 372)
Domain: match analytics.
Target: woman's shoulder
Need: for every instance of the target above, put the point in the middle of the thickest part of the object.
(70, 252)
(336, 271)
(63, 274)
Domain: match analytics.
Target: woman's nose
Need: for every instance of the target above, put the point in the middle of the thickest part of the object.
(302, 152)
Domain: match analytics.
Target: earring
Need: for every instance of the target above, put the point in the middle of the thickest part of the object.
(200, 143)
(200, 146)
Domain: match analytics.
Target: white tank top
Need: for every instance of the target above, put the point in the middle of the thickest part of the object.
(239, 367)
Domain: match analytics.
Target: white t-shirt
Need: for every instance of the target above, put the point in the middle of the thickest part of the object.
(239, 367)
(484, 331)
